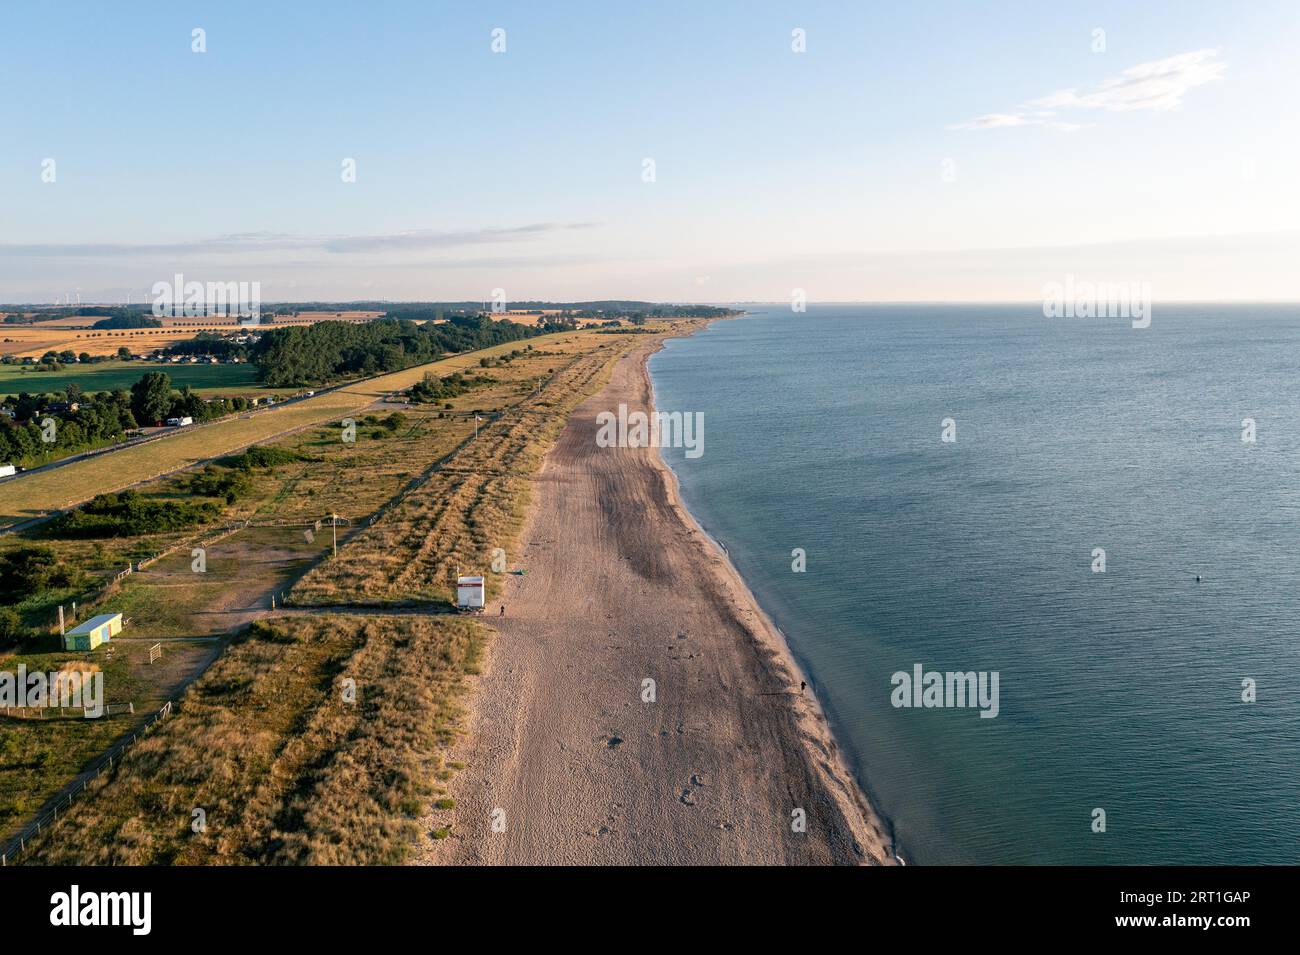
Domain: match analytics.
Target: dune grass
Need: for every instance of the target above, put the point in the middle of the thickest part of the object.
(285, 768)
(471, 506)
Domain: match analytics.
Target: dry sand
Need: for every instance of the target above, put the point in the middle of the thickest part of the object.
(623, 586)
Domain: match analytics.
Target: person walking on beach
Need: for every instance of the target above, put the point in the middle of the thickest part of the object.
(503, 610)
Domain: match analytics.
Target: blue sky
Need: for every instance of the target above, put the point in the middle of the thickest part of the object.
(845, 170)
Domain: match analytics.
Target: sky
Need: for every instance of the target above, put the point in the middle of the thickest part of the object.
(673, 151)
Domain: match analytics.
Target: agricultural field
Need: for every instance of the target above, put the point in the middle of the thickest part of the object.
(74, 333)
(537, 318)
(206, 379)
(35, 340)
(308, 318)
(46, 491)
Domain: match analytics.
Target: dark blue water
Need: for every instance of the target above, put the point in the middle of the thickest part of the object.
(1120, 691)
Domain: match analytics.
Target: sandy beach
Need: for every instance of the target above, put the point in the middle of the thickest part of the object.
(565, 760)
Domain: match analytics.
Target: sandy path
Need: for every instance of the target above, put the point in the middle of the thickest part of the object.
(622, 586)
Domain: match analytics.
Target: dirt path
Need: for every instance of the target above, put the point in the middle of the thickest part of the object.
(563, 751)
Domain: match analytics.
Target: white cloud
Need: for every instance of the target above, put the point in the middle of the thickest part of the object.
(994, 121)
(1158, 85)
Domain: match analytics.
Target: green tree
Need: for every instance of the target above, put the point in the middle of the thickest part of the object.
(151, 397)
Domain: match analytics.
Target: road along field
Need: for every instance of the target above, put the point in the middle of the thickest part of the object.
(59, 489)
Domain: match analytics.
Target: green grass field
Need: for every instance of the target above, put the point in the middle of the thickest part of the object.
(209, 380)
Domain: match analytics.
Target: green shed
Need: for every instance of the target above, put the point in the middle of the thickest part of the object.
(93, 632)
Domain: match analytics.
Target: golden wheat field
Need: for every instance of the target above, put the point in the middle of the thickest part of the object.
(74, 333)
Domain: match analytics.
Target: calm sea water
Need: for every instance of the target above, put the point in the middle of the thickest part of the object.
(1118, 690)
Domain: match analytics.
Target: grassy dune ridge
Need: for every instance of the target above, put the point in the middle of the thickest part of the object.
(284, 768)
(471, 506)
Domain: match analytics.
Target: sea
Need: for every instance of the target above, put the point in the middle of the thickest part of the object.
(1106, 517)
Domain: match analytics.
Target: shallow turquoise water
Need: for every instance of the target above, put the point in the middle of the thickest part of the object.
(1120, 691)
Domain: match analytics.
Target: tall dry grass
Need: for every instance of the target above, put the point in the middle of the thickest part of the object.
(285, 770)
(472, 504)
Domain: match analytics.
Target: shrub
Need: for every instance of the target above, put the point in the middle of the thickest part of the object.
(26, 571)
(262, 457)
(212, 482)
(127, 514)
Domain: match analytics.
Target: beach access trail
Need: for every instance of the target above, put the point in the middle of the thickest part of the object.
(563, 753)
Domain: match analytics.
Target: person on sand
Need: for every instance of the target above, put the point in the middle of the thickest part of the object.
(803, 685)
(503, 610)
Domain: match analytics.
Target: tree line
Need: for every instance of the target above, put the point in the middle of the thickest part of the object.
(328, 351)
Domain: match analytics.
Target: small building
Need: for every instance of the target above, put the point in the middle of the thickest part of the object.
(96, 630)
(470, 593)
